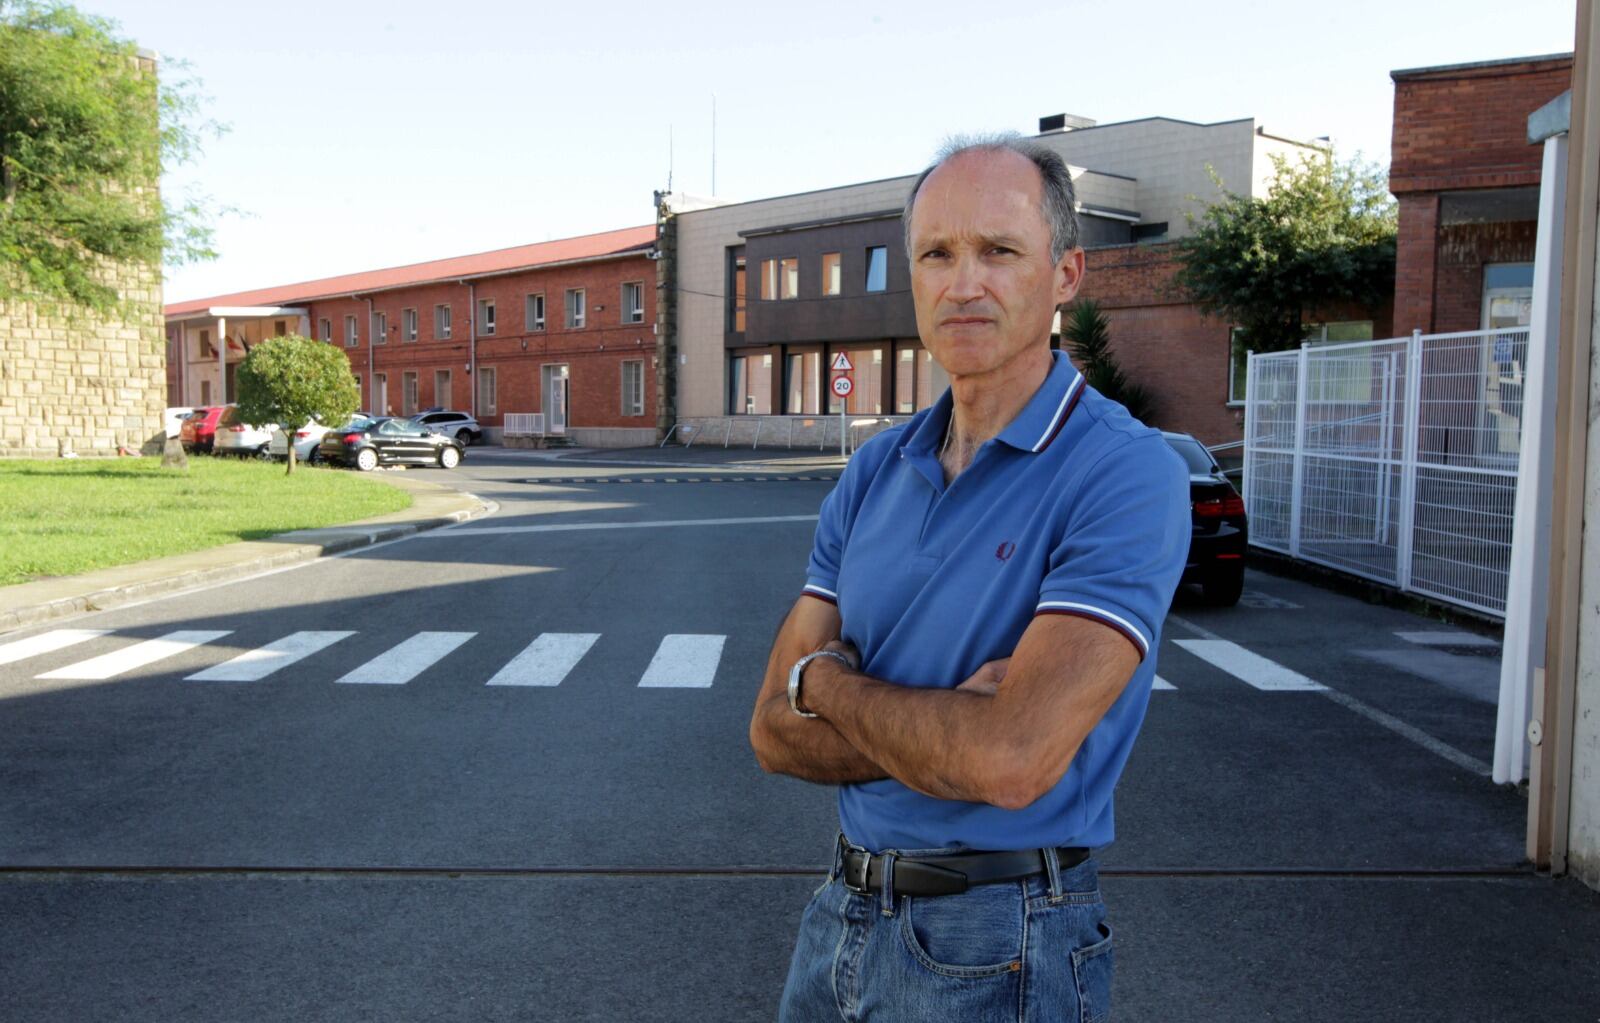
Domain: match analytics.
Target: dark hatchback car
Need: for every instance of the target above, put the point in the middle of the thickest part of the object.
(369, 443)
(1217, 542)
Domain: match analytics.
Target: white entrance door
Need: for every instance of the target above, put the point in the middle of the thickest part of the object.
(380, 394)
(556, 393)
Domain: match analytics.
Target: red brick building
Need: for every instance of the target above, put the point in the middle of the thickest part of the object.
(1467, 182)
(563, 328)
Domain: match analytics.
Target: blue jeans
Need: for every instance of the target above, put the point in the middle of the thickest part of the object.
(1031, 950)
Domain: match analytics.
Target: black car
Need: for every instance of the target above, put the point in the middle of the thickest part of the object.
(369, 443)
(1217, 542)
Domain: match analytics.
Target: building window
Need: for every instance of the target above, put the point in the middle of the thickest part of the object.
(877, 268)
(351, 338)
(380, 328)
(574, 308)
(441, 388)
(325, 329)
(205, 392)
(780, 278)
(485, 316)
(830, 273)
(486, 391)
(750, 390)
(408, 394)
(408, 325)
(739, 293)
(206, 351)
(441, 322)
(380, 394)
(801, 385)
(867, 397)
(633, 387)
(633, 302)
(533, 314)
(279, 328)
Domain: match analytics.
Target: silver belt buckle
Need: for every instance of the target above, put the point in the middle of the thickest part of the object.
(856, 880)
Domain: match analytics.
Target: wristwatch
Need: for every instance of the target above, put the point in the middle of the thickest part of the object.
(799, 669)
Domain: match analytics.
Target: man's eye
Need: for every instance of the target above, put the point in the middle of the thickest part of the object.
(1003, 250)
(934, 254)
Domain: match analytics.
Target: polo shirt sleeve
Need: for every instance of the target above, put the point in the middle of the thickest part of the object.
(834, 520)
(1125, 542)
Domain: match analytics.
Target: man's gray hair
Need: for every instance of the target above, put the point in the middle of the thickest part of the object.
(1059, 207)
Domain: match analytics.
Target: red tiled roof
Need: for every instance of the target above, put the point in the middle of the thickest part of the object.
(519, 257)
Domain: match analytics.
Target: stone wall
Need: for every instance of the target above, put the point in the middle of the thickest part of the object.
(74, 381)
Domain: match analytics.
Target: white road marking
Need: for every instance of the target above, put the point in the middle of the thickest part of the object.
(136, 656)
(1447, 638)
(401, 664)
(546, 661)
(47, 643)
(1250, 667)
(684, 662)
(1409, 732)
(255, 665)
(564, 527)
(1162, 684)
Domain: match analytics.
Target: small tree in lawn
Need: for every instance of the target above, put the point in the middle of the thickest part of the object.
(1088, 336)
(288, 381)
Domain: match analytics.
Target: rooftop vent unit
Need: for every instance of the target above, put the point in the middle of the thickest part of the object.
(1063, 122)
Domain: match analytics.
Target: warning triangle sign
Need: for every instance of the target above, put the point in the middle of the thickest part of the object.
(841, 363)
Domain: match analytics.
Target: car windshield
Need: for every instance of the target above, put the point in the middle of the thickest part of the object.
(359, 423)
(1197, 458)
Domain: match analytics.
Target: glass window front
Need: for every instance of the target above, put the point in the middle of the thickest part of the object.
(801, 384)
(789, 278)
(866, 397)
(877, 268)
(830, 273)
(738, 294)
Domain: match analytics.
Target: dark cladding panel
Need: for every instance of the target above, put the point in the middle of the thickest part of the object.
(852, 315)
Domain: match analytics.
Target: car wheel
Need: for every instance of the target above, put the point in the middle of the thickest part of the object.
(1223, 588)
(366, 460)
(464, 437)
(315, 457)
(449, 458)
(264, 453)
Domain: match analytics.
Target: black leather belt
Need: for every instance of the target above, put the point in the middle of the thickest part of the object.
(948, 875)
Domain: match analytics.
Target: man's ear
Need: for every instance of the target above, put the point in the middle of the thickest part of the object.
(1069, 276)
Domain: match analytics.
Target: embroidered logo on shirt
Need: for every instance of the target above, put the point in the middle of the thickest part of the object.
(1005, 550)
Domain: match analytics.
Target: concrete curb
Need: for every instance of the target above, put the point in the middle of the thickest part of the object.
(433, 506)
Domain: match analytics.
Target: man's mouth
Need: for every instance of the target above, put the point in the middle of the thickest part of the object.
(956, 321)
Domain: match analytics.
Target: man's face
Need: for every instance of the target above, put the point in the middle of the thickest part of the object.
(982, 279)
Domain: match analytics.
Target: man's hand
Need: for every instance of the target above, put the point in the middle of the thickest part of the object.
(987, 679)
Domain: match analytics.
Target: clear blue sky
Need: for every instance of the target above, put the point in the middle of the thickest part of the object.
(374, 134)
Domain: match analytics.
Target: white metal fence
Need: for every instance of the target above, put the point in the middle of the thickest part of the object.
(1395, 460)
(524, 424)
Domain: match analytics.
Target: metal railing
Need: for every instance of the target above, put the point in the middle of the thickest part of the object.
(524, 424)
(1394, 460)
(779, 431)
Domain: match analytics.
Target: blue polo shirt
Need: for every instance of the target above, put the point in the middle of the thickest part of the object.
(1075, 508)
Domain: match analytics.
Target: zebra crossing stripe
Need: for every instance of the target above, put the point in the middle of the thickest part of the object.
(545, 661)
(684, 662)
(401, 664)
(47, 643)
(1249, 667)
(1162, 684)
(255, 665)
(139, 655)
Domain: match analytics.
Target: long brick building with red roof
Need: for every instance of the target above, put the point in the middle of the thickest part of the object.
(562, 329)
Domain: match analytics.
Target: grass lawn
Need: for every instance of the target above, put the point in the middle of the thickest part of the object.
(69, 516)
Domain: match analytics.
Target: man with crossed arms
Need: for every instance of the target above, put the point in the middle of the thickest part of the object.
(975, 645)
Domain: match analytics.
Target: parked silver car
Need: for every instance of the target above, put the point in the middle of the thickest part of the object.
(237, 437)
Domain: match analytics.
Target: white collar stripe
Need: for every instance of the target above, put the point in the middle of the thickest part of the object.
(1055, 420)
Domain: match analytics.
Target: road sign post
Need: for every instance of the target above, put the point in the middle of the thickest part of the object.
(842, 386)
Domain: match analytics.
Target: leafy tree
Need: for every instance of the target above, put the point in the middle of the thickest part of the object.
(1324, 234)
(86, 128)
(289, 381)
(1088, 336)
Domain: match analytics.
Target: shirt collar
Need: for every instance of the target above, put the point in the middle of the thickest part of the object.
(1033, 429)
(1046, 412)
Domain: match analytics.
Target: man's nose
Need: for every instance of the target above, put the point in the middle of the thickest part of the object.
(966, 284)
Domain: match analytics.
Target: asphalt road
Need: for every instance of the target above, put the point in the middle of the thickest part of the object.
(507, 778)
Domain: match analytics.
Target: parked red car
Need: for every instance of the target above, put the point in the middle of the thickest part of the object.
(199, 431)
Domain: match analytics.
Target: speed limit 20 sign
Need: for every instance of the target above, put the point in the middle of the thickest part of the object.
(842, 386)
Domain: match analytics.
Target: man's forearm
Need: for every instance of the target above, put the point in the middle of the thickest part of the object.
(808, 748)
(936, 741)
